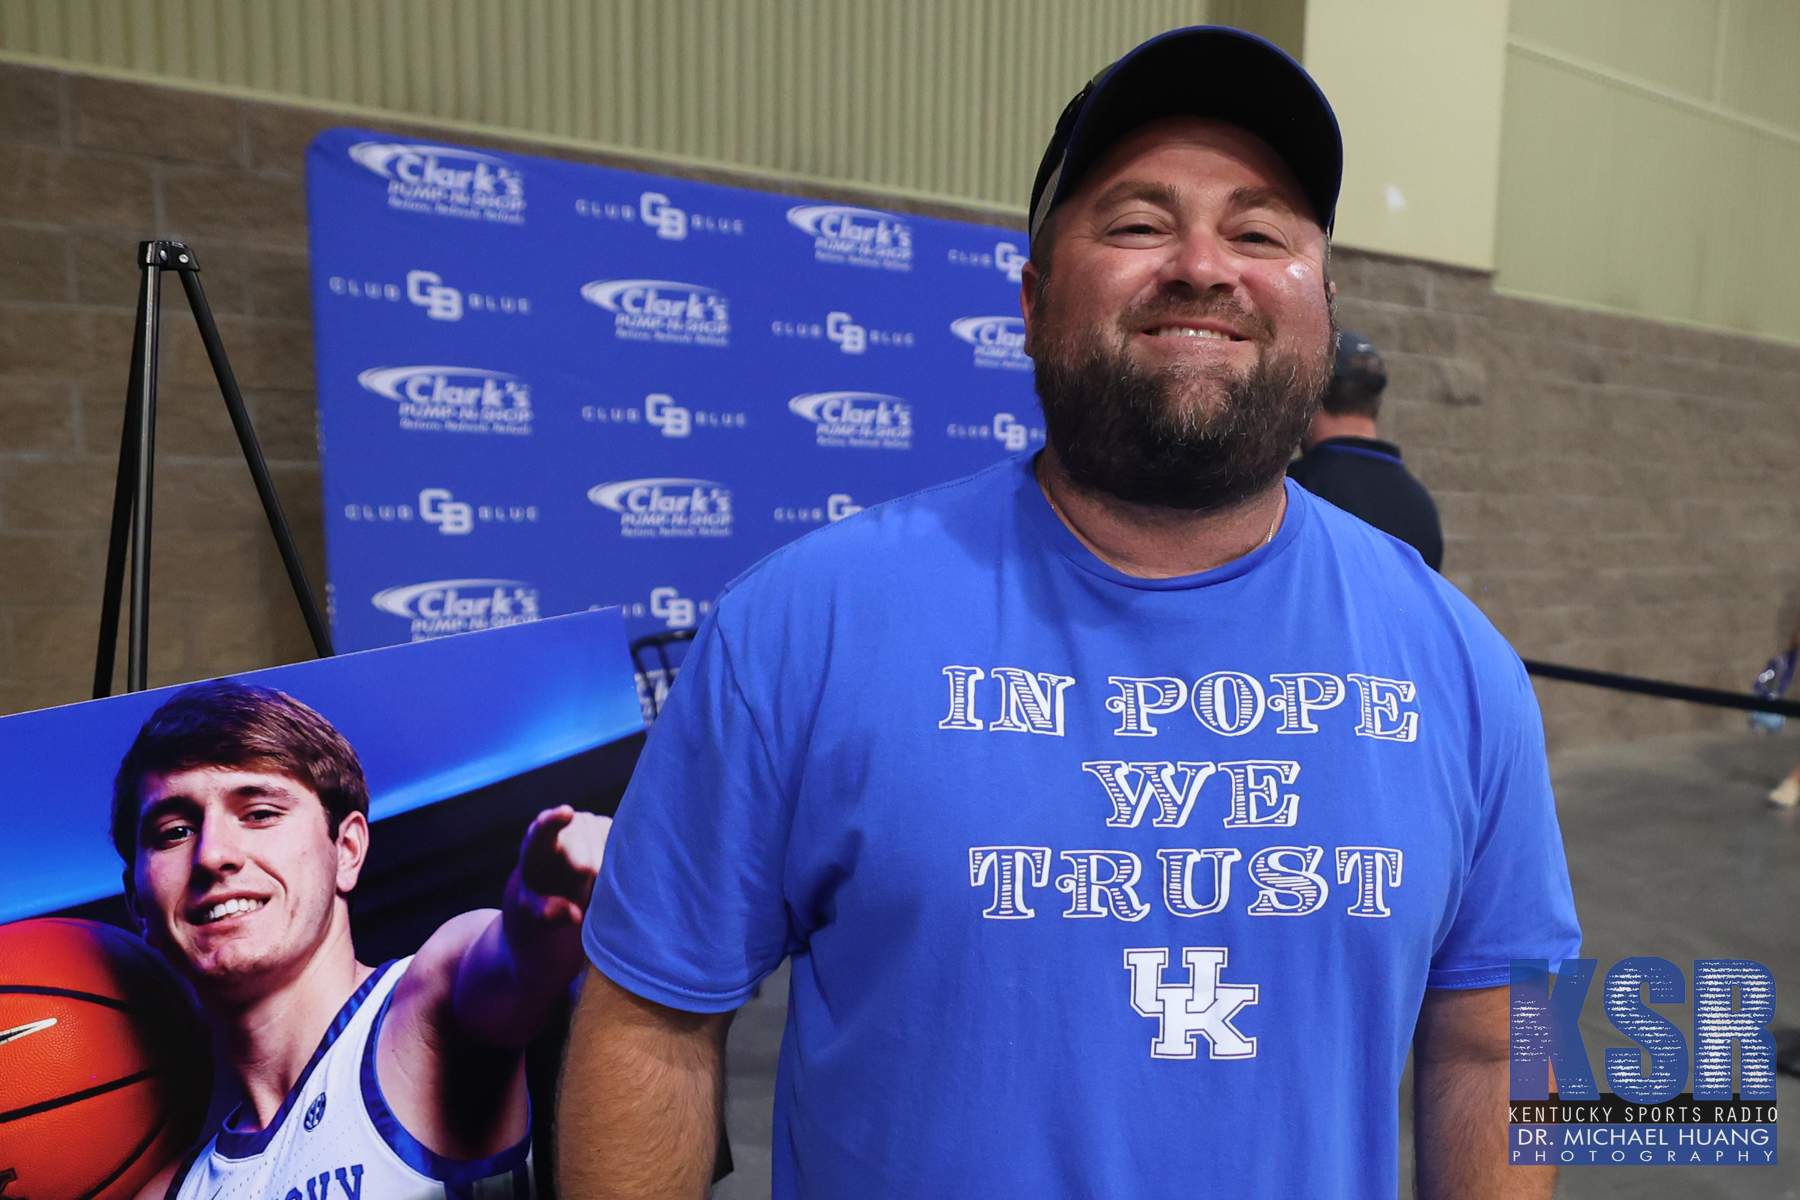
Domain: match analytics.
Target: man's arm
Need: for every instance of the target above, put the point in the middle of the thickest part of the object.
(509, 983)
(451, 1058)
(638, 1108)
(1461, 1077)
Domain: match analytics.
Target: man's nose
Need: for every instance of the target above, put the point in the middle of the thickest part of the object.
(217, 850)
(1200, 260)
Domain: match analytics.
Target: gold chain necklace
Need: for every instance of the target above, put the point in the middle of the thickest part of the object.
(1270, 536)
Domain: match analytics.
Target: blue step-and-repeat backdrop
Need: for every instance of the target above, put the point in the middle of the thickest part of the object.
(546, 387)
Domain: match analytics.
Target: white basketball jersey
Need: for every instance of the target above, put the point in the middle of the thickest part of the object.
(335, 1138)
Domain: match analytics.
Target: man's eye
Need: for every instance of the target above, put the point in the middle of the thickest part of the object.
(168, 835)
(262, 815)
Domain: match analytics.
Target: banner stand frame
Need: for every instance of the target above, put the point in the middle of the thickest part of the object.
(134, 486)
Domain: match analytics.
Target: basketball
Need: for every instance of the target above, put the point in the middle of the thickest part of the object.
(104, 1069)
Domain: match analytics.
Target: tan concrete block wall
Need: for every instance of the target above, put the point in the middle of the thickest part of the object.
(1616, 493)
(88, 167)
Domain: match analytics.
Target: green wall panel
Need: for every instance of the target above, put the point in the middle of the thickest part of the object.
(1623, 199)
(1650, 159)
(953, 98)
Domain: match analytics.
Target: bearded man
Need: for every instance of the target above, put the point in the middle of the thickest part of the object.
(1126, 812)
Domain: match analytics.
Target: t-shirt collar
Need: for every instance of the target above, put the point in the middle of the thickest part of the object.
(1041, 519)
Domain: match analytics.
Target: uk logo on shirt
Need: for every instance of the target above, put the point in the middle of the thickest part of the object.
(1200, 1008)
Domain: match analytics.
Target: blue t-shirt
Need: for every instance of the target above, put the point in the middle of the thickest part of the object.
(1094, 885)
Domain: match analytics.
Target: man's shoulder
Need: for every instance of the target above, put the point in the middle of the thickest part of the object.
(436, 963)
(1392, 598)
(1381, 566)
(1349, 458)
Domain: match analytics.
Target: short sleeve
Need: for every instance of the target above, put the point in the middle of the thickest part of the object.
(688, 910)
(1515, 901)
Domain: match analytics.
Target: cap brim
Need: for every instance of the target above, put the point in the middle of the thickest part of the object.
(1219, 72)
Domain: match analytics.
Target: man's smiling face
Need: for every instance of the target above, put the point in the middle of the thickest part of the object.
(237, 876)
(1183, 332)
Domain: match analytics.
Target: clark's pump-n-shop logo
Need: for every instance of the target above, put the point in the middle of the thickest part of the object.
(998, 341)
(859, 420)
(454, 399)
(446, 606)
(445, 181)
(667, 507)
(661, 310)
(855, 237)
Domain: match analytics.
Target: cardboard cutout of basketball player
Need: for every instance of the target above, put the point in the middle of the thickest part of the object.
(242, 816)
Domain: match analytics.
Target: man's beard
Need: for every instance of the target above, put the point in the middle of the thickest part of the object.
(1153, 438)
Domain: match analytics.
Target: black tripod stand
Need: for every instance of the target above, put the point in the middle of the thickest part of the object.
(137, 452)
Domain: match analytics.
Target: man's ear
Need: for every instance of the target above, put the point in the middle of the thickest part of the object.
(352, 850)
(131, 902)
(1028, 292)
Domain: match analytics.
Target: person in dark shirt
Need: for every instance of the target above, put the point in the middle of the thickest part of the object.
(1345, 463)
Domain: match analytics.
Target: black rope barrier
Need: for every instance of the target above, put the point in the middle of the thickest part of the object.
(1747, 701)
(1668, 691)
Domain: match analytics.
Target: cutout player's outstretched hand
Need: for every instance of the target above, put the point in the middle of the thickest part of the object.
(559, 862)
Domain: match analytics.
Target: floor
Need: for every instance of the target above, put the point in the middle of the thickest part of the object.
(750, 1089)
(1673, 853)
